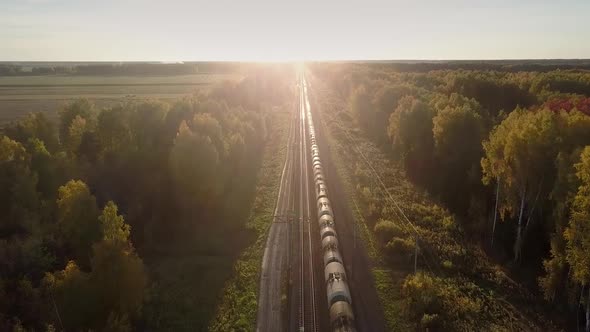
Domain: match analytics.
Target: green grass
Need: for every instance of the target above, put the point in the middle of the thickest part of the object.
(388, 286)
(238, 305)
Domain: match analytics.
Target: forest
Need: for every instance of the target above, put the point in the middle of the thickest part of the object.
(504, 155)
(93, 205)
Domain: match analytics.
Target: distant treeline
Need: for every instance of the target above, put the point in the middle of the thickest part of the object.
(106, 68)
(495, 65)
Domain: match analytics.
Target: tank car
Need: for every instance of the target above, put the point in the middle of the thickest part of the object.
(338, 289)
(332, 255)
(321, 190)
(324, 207)
(326, 220)
(327, 231)
(342, 317)
(329, 242)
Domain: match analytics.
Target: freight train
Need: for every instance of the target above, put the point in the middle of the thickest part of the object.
(338, 293)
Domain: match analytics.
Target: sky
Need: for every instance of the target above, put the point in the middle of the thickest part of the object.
(276, 30)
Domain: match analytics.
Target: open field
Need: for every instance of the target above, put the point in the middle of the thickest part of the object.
(20, 95)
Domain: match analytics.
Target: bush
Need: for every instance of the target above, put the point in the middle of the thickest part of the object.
(386, 229)
(400, 249)
(436, 302)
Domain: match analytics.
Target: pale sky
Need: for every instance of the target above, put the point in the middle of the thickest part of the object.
(259, 30)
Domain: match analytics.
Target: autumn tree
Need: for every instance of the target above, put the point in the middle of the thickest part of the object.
(458, 132)
(112, 292)
(194, 162)
(77, 214)
(71, 293)
(118, 273)
(575, 129)
(410, 132)
(384, 102)
(83, 113)
(114, 132)
(361, 107)
(577, 233)
(35, 126)
(19, 201)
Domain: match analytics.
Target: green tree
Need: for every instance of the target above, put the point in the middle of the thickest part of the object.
(19, 201)
(194, 162)
(112, 292)
(385, 101)
(361, 107)
(45, 165)
(113, 225)
(410, 131)
(117, 271)
(35, 126)
(73, 296)
(119, 278)
(81, 109)
(458, 132)
(114, 132)
(75, 134)
(386, 230)
(77, 215)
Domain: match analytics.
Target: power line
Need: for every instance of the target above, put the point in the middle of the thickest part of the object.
(383, 188)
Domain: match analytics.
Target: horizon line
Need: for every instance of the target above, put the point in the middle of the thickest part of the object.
(309, 60)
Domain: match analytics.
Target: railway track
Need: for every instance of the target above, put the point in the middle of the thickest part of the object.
(319, 297)
(307, 291)
(277, 256)
(295, 256)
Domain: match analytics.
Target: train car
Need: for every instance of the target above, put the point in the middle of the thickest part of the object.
(342, 317)
(332, 255)
(327, 231)
(326, 220)
(324, 207)
(338, 290)
(334, 270)
(338, 294)
(319, 177)
(317, 168)
(329, 242)
(321, 190)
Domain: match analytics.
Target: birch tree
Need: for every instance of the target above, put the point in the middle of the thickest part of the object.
(520, 153)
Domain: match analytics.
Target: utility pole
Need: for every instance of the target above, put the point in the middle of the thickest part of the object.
(354, 221)
(416, 257)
